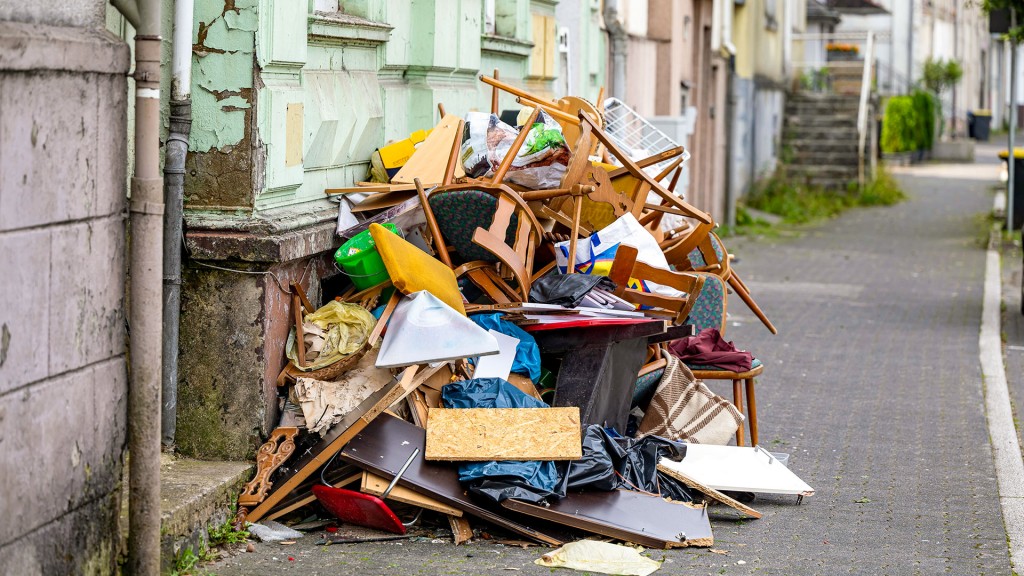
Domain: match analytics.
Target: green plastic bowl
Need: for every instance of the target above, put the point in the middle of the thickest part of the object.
(360, 260)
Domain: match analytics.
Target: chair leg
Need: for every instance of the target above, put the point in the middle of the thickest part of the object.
(737, 286)
(751, 411)
(737, 397)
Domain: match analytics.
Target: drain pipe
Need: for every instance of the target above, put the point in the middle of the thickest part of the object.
(619, 42)
(174, 186)
(146, 222)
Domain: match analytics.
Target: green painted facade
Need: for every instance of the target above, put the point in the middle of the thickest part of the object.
(345, 79)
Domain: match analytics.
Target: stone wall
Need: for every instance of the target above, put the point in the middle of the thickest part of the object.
(63, 378)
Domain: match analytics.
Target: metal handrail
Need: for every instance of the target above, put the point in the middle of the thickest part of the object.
(862, 110)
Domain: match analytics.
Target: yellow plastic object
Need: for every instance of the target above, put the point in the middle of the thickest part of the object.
(601, 557)
(412, 269)
(347, 325)
(1017, 153)
(396, 154)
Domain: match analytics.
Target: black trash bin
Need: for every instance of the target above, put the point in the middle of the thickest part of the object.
(979, 124)
(1018, 185)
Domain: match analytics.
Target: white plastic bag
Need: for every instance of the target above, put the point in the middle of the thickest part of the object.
(595, 254)
(603, 557)
(540, 163)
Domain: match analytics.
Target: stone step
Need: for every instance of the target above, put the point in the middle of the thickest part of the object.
(822, 119)
(821, 133)
(194, 495)
(823, 146)
(818, 158)
(824, 170)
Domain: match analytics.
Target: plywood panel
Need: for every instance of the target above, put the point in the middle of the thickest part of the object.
(431, 157)
(373, 484)
(644, 519)
(482, 434)
(709, 492)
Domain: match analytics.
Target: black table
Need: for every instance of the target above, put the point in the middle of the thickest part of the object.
(600, 365)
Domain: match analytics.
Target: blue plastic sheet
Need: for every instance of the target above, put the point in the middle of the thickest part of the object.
(532, 481)
(527, 361)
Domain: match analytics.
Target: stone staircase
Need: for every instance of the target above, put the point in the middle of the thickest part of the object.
(820, 138)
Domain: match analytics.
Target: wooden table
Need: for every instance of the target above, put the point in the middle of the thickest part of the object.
(600, 365)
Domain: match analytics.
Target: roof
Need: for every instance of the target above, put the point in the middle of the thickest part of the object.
(818, 12)
(860, 7)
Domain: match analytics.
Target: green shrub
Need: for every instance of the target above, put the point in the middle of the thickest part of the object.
(908, 123)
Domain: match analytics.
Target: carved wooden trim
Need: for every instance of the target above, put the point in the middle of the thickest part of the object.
(277, 449)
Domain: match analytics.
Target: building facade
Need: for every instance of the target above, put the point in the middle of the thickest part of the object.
(63, 376)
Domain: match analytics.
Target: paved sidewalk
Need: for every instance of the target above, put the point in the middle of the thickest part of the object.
(873, 385)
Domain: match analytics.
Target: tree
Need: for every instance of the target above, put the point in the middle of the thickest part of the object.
(1016, 34)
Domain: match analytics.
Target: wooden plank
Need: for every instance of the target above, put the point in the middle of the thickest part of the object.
(431, 157)
(709, 492)
(383, 448)
(644, 519)
(461, 530)
(310, 498)
(373, 484)
(369, 188)
(483, 434)
(342, 432)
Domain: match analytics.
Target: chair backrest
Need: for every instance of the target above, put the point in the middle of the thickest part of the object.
(626, 266)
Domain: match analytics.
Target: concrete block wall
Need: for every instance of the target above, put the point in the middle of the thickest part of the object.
(63, 376)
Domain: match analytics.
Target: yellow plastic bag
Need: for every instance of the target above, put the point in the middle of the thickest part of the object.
(603, 557)
(348, 327)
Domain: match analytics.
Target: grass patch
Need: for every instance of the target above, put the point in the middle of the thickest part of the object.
(226, 534)
(799, 202)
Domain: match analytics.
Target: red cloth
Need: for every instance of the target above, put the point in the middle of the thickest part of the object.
(708, 348)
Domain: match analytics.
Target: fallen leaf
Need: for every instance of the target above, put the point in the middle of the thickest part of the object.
(287, 542)
(864, 500)
(722, 552)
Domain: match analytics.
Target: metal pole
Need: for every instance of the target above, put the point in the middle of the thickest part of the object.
(145, 317)
(174, 187)
(1013, 127)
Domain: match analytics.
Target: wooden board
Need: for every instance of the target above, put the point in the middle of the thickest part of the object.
(369, 188)
(373, 484)
(643, 519)
(483, 434)
(431, 157)
(738, 469)
(709, 492)
(321, 453)
(383, 448)
(384, 200)
(461, 530)
(309, 498)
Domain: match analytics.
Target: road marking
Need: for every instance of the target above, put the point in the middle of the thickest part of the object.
(1002, 433)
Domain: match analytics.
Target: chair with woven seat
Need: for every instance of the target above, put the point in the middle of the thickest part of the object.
(490, 227)
(709, 312)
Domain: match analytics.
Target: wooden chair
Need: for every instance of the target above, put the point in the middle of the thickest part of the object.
(626, 266)
(645, 211)
(703, 251)
(489, 225)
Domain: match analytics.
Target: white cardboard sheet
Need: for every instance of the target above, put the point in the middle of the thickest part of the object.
(738, 468)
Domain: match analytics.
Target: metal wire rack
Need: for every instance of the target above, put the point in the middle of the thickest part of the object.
(635, 135)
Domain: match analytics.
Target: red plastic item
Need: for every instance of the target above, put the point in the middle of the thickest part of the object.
(357, 508)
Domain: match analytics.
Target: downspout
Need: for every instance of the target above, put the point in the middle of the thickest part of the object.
(146, 209)
(619, 42)
(174, 188)
(731, 196)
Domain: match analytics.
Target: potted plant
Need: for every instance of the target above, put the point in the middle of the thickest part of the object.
(841, 52)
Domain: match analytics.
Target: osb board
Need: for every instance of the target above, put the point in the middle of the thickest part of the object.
(431, 157)
(710, 492)
(375, 485)
(482, 434)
